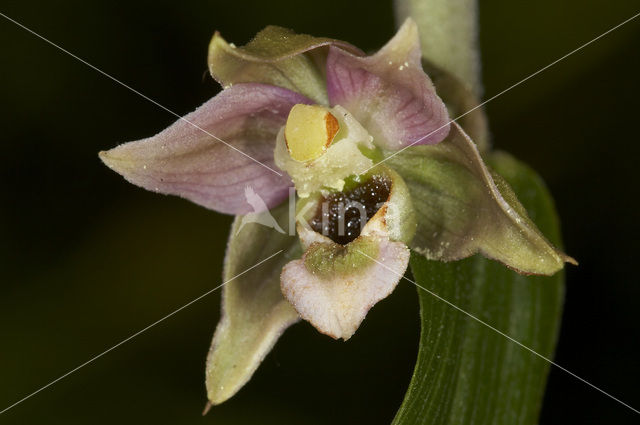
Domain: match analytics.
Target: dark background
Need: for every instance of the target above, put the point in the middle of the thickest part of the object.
(87, 259)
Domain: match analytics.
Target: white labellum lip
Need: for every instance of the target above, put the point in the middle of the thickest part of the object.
(336, 305)
(334, 285)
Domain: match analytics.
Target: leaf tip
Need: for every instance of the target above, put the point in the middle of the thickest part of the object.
(570, 260)
(207, 407)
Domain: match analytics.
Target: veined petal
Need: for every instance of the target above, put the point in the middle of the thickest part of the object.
(189, 160)
(334, 286)
(254, 313)
(276, 56)
(462, 208)
(389, 93)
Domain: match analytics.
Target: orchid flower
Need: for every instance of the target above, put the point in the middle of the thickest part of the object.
(378, 169)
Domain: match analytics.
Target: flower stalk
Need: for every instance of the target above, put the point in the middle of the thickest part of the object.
(448, 35)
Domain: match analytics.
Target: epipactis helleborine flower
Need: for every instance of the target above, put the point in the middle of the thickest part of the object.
(376, 164)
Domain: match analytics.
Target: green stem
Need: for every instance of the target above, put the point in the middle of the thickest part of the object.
(448, 35)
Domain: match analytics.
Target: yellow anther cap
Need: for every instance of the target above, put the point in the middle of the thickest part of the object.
(309, 131)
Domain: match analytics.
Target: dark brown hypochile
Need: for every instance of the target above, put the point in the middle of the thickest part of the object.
(371, 194)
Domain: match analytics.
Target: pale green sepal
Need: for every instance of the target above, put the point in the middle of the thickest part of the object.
(254, 312)
(461, 209)
(276, 56)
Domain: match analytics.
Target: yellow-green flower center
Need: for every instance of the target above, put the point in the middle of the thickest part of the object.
(319, 148)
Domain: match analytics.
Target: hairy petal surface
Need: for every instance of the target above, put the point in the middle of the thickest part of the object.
(389, 93)
(275, 56)
(254, 313)
(463, 208)
(186, 160)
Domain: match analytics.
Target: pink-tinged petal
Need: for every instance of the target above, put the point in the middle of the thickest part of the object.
(389, 93)
(214, 153)
(336, 301)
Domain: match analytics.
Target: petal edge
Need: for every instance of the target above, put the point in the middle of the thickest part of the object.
(462, 208)
(389, 93)
(337, 304)
(185, 160)
(254, 314)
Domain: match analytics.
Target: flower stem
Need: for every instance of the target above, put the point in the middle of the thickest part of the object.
(448, 35)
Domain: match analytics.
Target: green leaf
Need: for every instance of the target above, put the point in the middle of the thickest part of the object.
(467, 373)
(254, 312)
